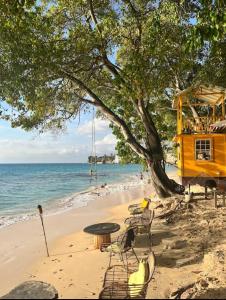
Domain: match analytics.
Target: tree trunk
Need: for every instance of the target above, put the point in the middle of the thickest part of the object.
(164, 186)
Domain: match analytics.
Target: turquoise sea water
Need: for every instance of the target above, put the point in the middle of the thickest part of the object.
(23, 186)
(58, 186)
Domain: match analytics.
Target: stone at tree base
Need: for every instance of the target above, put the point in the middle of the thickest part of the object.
(174, 244)
(32, 290)
(187, 261)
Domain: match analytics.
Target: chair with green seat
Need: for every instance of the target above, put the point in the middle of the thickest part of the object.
(130, 283)
(139, 208)
(122, 245)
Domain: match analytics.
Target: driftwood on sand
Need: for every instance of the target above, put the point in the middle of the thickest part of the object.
(170, 211)
(177, 294)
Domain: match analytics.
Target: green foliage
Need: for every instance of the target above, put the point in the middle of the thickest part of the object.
(210, 23)
(45, 46)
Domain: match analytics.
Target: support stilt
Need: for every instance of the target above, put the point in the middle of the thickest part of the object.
(215, 198)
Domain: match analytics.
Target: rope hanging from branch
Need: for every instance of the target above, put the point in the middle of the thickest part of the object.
(93, 163)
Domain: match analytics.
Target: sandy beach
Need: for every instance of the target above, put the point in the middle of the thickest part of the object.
(189, 246)
(22, 244)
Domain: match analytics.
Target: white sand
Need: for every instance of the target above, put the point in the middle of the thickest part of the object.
(22, 244)
(77, 270)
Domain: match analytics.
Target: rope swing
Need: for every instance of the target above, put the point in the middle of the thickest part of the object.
(93, 163)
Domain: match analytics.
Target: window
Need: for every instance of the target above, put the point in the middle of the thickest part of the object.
(203, 150)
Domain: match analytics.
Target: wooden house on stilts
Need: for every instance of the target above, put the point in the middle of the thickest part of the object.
(201, 135)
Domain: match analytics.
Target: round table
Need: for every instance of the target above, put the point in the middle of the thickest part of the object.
(102, 233)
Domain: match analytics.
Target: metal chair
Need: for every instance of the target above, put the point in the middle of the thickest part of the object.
(122, 245)
(143, 223)
(116, 282)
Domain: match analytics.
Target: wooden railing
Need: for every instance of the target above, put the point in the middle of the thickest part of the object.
(198, 125)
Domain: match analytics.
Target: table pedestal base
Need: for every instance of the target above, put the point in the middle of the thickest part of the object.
(101, 239)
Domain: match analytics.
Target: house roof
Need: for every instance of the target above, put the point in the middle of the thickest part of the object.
(212, 95)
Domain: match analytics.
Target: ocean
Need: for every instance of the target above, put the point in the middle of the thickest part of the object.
(24, 186)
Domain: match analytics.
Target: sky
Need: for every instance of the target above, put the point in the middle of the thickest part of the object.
(72, 146)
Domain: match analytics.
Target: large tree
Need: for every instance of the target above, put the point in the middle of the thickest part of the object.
(125, 57)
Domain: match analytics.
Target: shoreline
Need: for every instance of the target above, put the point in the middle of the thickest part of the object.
(75, 199)
(22, 243)
(72, 201)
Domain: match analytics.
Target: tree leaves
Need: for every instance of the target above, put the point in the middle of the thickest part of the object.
(121, 51)
(210, 23)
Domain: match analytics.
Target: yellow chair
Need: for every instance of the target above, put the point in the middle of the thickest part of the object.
(139, 208)
(128, 283)
(138, 279)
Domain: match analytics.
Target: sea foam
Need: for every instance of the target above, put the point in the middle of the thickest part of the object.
(76, 200)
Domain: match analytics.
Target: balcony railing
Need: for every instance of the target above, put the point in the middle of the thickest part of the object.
(198, 125)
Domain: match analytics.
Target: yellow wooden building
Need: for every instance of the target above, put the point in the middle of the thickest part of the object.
(201, 135)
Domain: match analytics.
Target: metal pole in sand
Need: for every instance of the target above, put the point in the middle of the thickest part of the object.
(41, 217)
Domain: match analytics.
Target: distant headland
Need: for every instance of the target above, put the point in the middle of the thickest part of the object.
(105, 159)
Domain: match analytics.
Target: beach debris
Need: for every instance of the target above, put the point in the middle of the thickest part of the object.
(177, 294)
(171, 209)
(197, 272)
(158, 205)
(203, 288)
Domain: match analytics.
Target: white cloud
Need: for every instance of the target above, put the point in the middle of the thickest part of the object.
(100, 126)
(24, 148)
(109, 139)
(106, 145)
(38, 150)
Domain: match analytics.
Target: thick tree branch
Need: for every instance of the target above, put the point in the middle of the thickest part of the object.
(194, 113)
(85, 100)
(130, 139)
(109, 65)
